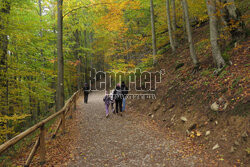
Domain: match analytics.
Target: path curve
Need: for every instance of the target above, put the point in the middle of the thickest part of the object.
(127, 141)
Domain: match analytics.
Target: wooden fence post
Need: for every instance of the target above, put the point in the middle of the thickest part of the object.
(63, 122)
(32, 153)
(57, 128)
(71, 113)
(75, 104)
(42, 145)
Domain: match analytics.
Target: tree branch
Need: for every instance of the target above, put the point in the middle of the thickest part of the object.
(86, 7)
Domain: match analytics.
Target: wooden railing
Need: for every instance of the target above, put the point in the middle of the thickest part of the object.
(40, 142)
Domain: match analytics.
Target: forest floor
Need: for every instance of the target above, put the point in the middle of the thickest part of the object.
(132, 139)
(182, 93)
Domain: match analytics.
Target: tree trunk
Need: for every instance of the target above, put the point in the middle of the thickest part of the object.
(169, 27)
(189, 33)
(40, 14)
(231, 17)
(153, 30)
(91, 55)
(4, 12)
(32, 109)
(68, 87)
(53, 84)
(174, 22)
(4, 97)
(60, 77)
(79, 58)
(86, 56)
(211, 7)
(184, 21)
(42, 56)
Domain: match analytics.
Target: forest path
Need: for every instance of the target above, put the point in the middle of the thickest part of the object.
(130, 140)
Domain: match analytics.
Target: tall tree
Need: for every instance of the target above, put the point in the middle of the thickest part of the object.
(189, 33)
(172, 43)
(174, 21)
(4, 11)
(211, 7)
(79, 58)
(4, 102)
(41, 31)
(36, 110)
(153, 29)
(184, 21)
(90, 42)
(60, 61)
(86, 55)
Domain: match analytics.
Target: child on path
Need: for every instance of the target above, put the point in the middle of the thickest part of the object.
(107, 101)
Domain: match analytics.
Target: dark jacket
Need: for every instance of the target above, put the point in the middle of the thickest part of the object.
(86, 89)
(118, 93)
(124, 90)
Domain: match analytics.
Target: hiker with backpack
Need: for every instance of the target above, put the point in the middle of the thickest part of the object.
(124, 93)
(118, 99)
(107, 101)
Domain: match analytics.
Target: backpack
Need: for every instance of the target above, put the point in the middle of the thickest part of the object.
(118, 94)
(106, 99)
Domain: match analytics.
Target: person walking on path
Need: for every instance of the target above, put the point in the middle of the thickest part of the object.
(124, 93)
(118, 99)
(112, 101)
(86, 92)
(107, 101)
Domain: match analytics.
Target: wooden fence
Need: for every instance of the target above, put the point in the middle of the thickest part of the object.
(40, 142)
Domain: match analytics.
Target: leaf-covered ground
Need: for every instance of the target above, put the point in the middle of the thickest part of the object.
(182, 93)
(130, 140)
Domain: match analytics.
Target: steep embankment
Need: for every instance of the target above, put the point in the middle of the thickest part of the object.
(183, 94)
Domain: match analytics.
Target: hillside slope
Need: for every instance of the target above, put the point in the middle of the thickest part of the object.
(184, 94)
